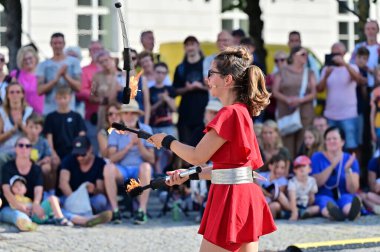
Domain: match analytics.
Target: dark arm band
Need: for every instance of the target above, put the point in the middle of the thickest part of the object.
(194, 176)
(166, 142)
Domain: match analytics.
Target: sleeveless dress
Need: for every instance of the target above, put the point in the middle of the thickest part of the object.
(235, 214)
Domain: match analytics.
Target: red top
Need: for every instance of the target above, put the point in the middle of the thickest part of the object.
(234, 124)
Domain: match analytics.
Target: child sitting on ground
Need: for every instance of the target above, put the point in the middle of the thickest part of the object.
(274, 187)
(301, 190)
(52, 210)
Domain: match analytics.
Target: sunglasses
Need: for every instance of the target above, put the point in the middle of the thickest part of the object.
(302, 54)
(134, 58)
(279, 60)
(2, 60)
(27, 146)
(211, 72)
(15, 92)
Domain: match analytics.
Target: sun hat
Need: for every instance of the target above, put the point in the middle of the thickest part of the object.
(132, 106)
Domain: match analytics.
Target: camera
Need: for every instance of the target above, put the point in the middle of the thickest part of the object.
(329, 59)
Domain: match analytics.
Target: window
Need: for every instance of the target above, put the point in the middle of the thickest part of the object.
(347, 24)
(235, 19)
(3, 28)
(90, 21)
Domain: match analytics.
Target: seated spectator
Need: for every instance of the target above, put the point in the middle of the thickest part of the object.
(112, 115)
(312, 142)
(162, 107)
(337, 176)
(301, 190)
(63, 126)
(320, 122)
(274, 187)
(132, 158)
(13, 115)
(51, 209)
(271, 142)
(19, 215)
(27, 61)
(41, 152)
(372, 199)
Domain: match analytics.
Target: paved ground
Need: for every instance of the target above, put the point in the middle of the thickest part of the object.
(163, 234)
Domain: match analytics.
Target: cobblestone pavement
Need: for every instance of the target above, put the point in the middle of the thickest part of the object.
(163, 234)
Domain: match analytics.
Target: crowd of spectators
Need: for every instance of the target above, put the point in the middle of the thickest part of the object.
(61, 165)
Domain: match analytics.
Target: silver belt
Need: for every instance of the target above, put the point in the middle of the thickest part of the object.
(241, 175)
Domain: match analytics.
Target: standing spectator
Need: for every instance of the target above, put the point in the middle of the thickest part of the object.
(286, 89)
(60, 70)
(63, 126)
(320, 122)
(337, 175)
(294, 40)
(84, 93)
(132, 158)
(147, 41)
(105, 85)
(341, 103)
(145, 60)
(312, 142)
(112, 115)
(19, 215)
(249, 43)
(4, 79)
(83, 166)
(27, 60)
(188, 82)
(371, 29)
(237, 36)
(74, 51)
(13, 115)
(161, 120)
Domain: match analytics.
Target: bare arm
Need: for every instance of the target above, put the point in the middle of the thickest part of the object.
(323, 82)
(11, 198)
(313, 91)
(352, 182)
(146, 153)
(64, 182)
(38, 190)
(103, 145)
(293, 204)
(44, 87)
(354, 74)
(322, 177)
(115, 156)
(99, 187)
(276, 89)
(4, 136)
(74, 82)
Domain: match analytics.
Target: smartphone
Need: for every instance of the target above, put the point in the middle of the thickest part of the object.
(329, 59)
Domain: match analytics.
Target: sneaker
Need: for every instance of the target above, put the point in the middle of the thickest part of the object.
(140, 218)
(355, 209)
(335, 212)
(25, 225)
(101, 218)
(116, 217)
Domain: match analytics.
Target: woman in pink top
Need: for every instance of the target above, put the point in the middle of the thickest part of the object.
(27, 61)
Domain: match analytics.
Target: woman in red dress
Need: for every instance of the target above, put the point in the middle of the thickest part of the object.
(236, 213)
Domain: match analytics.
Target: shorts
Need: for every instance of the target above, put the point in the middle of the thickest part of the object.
(128, 171)
(48, 213)
(351, 130)
(322, 200)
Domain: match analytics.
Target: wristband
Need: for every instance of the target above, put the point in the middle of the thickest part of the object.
(194, 176)
(167, 141)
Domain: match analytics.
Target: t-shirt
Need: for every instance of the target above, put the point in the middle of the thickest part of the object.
(34, 178)
(193, 103)
(133, 156)
(374, 166)
(302, 191)
(234, 124)
(162, 116)
(77, 176)
(40, 150)
(373, 59)
(281, 181)
(64, 127)
(320, 163)
(48, 71)
(341, 101)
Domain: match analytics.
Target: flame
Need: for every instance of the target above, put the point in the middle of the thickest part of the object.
(134, 83)
(132, 185)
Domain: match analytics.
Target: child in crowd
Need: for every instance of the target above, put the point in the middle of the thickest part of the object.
(52, 210)
(375, 109)
(41, 152)
(312, 142)
(372, 199)
(63, 126)
(162, 107)
(274, 187)
(301, 190)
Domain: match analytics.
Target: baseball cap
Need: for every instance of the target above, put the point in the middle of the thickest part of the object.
(301, 160)
(190, 39)
(81, 145)
(17, 178)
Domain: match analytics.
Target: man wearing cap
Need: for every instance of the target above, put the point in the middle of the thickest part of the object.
(131, 158)
(83, 166)
(188, 82)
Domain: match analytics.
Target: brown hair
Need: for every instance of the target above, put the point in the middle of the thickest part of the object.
(318, 142)
(249, 80)
(144, 54)
(110, 105)
(36, 119)
(63, 90)
(7, 105)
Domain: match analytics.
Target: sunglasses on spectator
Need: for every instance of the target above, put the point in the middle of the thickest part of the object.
(280, 60)
(15, 92)
(303, 54)
(2, 60)
(211, 72)
(21, 145)
(134, 58)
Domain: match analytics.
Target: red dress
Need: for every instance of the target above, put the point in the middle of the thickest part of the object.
(235, 214)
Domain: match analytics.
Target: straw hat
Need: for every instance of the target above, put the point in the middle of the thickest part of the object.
(214, 105)
(132, 106)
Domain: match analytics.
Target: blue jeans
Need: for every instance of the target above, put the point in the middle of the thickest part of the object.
(9, 215)
(351, 130)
